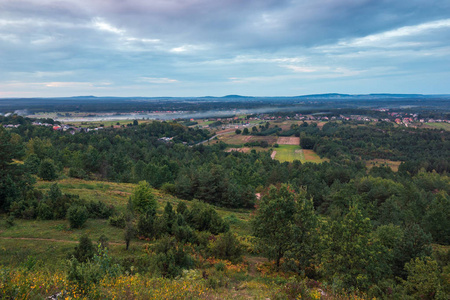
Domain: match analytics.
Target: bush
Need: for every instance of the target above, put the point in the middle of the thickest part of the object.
(90, 272)
(10, 221)
(146, 225)
(99, 210)
(84, 251)
(226, 246)
(169, 188)
(170, 258)
(44, 212)
(117, 220)
(77, 216)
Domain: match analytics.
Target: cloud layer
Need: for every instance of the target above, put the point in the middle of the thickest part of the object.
(204, 47)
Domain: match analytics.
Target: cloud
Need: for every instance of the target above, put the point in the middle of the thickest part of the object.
(157, 80)
(103, 26)
(78, 44)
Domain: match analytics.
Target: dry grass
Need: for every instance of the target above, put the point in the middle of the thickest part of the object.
(383, 162)
(284, 140)
(311, 156)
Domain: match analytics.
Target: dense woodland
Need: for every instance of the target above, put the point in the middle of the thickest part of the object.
(336, 222)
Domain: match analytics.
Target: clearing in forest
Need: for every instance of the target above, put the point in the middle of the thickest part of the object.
(383, 162)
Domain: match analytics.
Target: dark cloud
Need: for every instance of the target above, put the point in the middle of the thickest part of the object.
(206, 45)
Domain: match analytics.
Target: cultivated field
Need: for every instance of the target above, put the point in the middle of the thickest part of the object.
(292, 152)
(289, 153)
(444, 126)
(284, 140)
(239, 139)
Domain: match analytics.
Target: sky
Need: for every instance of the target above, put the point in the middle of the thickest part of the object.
(179, 48)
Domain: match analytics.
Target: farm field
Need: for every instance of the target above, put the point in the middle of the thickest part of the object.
(283, 140)
(290, 153)
(239, 139)
(445, 126)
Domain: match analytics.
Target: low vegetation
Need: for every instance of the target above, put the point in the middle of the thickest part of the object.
(128, 215)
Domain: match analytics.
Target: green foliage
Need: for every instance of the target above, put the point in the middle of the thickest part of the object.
(87, 273)
(143, 199)
(32, 163)
(117, 220)
(10, 221)
(353, 257)
(170, 258)
(129, 234)
(226, 246)
(285, 223)
(203, 217)
(47, 170)
(77, 215)
(85, 250)
(424, 280)
(437, 220)
(146, 226)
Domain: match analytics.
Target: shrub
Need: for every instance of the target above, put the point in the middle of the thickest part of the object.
(169, 188)
(90, 272)
(99, 210)
(226, 246)
(10, 221)
(84, 251)
(170, 258)
(44, 212)
(77, 216)
(117, 220)
(146, 225)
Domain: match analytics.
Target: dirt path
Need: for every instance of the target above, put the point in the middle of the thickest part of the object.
(47, 240)
(273, 154)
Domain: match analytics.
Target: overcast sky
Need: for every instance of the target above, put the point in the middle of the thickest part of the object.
(221, 47)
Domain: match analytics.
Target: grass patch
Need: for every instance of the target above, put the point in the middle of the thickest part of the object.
(311, 156)
(289, 153)
(444, 126)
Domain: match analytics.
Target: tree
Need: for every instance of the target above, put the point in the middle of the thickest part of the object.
(353, 258)
(437, 219)
(11, 174)
(245, 131)
(283, 222)
(424, 280)
(47, 170)
(238, 131)
(130, 232)
(142, 198)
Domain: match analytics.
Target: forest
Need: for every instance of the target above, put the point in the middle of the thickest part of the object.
(331, 230)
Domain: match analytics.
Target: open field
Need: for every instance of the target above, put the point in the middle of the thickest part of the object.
(239, 139)
(311, 156)
(284, 140)
(289, 153)
(292, 152)
(383, 162)
(444, 126)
